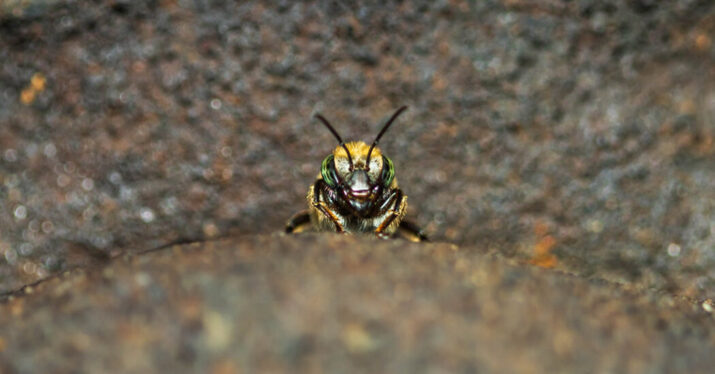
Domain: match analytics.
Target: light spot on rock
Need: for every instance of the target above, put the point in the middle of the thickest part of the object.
(115, 177)
(210, 229)
(142, 279)
(595, 226)
(87, 184)
(10, 155)
(20, 212)
(673, 250)
(217, 330)
(47, 227)
(63, 180)
(10, 256)
(50, 150)
(357, 339)
(147, 215)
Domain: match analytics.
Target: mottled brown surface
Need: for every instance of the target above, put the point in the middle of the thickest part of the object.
(338, 304)
(576, 137)
(586, 127)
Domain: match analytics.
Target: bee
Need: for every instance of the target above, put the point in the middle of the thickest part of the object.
(356, 192)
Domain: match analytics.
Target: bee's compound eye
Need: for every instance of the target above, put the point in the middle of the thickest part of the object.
(388, 171)
(327, 170)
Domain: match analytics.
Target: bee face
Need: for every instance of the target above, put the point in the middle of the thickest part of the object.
(358, 180)
(356, 191)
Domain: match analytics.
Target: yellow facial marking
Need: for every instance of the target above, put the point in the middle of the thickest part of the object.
(358, 151)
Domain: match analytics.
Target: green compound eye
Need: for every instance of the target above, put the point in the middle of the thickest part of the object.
(388, 171)
(327, 170)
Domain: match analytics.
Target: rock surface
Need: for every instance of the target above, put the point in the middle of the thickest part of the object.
(579, 133)
(566, 147)
(341, 304)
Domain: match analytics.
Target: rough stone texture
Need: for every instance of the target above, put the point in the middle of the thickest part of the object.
(575, 136)
(588, 123)
(339, 304)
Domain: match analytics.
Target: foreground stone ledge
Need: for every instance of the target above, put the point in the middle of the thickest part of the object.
(344, 304)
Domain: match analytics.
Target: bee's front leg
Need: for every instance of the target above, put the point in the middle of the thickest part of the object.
(410, 231)
(319, 204)
(298, 223)
(398, 204)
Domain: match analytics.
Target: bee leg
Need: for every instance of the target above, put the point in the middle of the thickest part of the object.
(410, 231)
(298, 223)
(328, 213)
(394, 213)
(323, 207)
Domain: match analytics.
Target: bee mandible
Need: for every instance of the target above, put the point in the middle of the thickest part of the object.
(357, 192)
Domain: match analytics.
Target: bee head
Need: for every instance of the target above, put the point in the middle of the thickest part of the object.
(359, 171)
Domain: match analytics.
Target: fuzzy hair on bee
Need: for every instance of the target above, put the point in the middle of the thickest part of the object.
(356, 191)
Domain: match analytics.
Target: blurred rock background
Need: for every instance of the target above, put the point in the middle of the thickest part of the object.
(574, 135)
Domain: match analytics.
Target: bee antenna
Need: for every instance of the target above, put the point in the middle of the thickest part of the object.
(340, 140)
(382, 132)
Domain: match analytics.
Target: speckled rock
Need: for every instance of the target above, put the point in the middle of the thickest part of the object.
(342, 304)
(576, 135)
